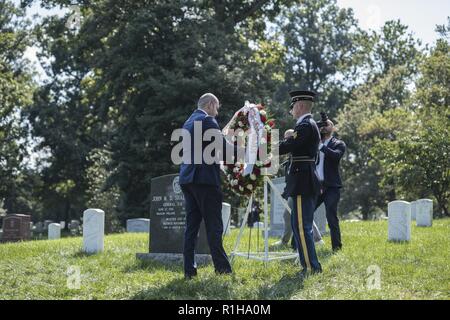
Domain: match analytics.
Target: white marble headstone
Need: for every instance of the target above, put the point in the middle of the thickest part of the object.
(140, 225)
(413, 210)
(241, 214)
(399, 223)
(424, 213)
(259, 225)
(54, 231)
(320, 219)
(93, 230)
(226, 217)
(63, 224)
(277, 209)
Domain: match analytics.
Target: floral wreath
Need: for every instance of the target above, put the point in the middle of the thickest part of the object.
(252, 121)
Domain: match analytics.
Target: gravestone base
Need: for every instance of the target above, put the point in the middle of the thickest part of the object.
(168, 258)
(276, 232)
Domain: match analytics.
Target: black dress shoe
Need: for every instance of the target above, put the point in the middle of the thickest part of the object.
(222, 272)
(316, 271)
(189, 276)
(303, 273)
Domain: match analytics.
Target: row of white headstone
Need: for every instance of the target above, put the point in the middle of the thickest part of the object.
(94, 228)
(401, 213)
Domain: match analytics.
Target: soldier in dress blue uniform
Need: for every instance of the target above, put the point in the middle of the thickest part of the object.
(200, 183)
(303, 186)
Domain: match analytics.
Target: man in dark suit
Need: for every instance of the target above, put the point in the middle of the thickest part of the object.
(330, 155)
(302, 185)
(200, 183)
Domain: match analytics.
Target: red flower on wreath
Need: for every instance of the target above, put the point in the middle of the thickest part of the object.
(237, 182)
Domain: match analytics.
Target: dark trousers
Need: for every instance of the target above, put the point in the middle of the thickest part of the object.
(204, 202)
(330, 197)
(302, 218)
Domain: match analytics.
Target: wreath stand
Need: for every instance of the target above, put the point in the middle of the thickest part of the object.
(265, 256)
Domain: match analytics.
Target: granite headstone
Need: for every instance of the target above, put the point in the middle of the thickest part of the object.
(168, 218)
(16, 227)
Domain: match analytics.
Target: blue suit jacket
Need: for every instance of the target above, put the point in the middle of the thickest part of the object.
(333, 155)
(203, 173)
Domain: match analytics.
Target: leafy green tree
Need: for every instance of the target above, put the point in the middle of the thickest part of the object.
(62, 122)
(99, 194)
(361, 173)
(325, 51)
(16, 87)
(416, 158)
(444, 30)
(394, 58)
(394, 46)
(131, 75)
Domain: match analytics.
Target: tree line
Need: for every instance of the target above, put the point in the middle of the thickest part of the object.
(97, 130)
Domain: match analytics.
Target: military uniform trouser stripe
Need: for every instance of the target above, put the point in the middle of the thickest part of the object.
(302, 232)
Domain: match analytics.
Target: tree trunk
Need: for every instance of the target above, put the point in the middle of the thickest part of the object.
(441, 200)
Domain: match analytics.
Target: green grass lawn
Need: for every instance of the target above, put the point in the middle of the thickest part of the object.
(416, 270)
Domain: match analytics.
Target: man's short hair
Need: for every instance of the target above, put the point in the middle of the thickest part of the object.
(308, 104)
(205, 100)
(333, 127)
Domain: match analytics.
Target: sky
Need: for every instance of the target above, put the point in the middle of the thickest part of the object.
(421, 16)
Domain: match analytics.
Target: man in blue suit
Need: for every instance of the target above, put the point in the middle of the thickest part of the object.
(200, 182)
(330, 155)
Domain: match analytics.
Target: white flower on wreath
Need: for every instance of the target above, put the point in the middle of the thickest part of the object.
(236, 169)
(268, 159)
(263, 113)
(249, 187)
(241, 189)
(253, 176)
(240, 124)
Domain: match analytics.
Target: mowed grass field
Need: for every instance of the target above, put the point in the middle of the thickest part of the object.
(419, 269)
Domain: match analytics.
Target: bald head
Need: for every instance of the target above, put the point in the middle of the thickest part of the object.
(209, 103)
